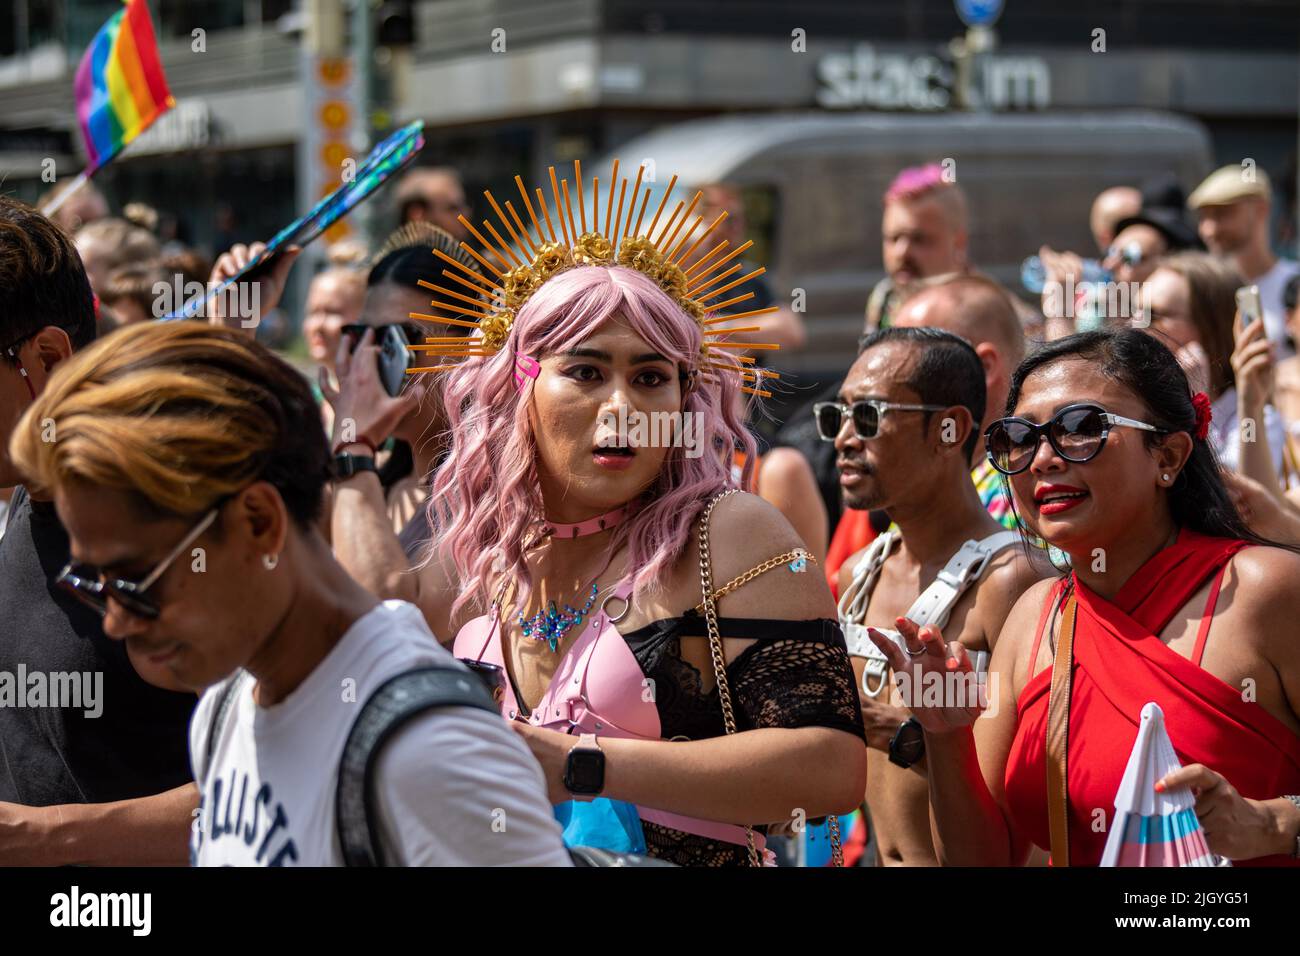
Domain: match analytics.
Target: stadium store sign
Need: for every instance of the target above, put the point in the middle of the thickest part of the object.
(899, 81)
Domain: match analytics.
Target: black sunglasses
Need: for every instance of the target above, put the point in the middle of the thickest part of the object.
(354, 331)
(89, 586)
(1077, 433)
(865, 415)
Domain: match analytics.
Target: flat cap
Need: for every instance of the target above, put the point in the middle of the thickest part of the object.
(1230, 184)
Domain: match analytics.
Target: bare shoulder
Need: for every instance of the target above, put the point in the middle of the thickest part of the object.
(1016, 636)
(1265, 581)
(787, 465)
(1258, 565)
(845, 574)
(1011, 573)
(744, 532)
(747, 525)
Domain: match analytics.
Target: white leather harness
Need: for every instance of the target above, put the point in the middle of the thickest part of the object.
(933, 606)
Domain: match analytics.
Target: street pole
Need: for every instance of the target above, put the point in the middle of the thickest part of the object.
(363, 62)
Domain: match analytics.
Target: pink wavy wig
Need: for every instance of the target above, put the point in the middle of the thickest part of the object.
(486, 495)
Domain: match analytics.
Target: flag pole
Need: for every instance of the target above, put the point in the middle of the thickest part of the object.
(52, 207)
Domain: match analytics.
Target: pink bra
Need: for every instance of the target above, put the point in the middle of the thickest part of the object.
(598, 688)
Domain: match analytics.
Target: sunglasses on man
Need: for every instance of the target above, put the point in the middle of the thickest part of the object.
(12, 351)
(864, 413)
(89, 585)
(354, 331)
(1129, 254)
(1077, 433)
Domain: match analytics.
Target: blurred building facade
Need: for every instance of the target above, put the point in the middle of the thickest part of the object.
(511, 85)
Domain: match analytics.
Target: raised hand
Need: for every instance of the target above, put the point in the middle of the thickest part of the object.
(1252, 364)
(936, 678)
(363, 410)
(239, 307)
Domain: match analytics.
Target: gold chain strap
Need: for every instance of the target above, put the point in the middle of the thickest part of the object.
(715, 646)
(754, 572)
(720, 662)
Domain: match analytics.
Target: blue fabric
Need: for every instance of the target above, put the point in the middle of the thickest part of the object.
(602, 823)
(817, 840)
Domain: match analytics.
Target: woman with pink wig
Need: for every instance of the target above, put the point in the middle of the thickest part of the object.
(569, 541)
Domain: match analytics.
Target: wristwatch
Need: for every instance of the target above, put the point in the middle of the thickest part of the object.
(908, 743)
(345, 465)
(584, 767)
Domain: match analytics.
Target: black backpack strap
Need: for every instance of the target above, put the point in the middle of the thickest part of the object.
(387, 710)
(218, 721)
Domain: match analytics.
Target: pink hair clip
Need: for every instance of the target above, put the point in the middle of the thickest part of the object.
(525, 365)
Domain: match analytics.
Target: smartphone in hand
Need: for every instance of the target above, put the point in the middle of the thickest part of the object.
(394, 359)
(1249, 307)
(394, 356)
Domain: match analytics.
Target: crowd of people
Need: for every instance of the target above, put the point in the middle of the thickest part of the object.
(457, 615)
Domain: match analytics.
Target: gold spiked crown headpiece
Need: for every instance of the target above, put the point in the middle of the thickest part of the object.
(516, 269)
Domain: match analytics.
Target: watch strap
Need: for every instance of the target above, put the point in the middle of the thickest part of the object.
(894, 756)
(345, 465)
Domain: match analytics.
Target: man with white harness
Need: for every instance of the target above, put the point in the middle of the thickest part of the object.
(904, 430)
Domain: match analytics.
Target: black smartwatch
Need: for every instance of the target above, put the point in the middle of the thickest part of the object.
(584, 768)
(345, 465)
(908, 743)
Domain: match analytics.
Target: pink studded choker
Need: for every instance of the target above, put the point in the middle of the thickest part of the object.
(596, 525)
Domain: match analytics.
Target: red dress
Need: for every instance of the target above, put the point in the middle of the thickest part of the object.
(1120, 664)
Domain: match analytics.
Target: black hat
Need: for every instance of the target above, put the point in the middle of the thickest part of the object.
(1169, 223)
(1163, 201)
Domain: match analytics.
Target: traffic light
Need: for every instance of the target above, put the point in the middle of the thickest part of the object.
(395, 25)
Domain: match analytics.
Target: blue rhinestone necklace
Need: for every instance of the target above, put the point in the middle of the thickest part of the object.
(550, 625)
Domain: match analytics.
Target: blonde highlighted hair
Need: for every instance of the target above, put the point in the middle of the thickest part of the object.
(178, 415)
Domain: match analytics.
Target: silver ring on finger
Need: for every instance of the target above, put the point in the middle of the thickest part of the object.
(912, 653)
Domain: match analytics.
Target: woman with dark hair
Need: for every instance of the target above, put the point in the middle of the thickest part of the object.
(1171, 599)
(1189, 302)
(379, 525)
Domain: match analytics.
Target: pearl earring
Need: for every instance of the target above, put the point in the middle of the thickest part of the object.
(269, 561)
(1164, 478)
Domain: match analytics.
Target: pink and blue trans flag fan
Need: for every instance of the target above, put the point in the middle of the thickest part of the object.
(1150, 828)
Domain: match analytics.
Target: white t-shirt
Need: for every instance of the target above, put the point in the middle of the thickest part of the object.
(1271, 286)
(1227, 442)
(456, 786)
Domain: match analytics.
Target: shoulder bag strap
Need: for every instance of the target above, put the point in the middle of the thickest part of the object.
(215, 725)
(1058, 737)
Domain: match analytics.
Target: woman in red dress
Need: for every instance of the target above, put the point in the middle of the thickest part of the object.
(1171, 599)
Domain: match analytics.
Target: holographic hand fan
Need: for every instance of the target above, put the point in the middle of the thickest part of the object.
(1155, 829)
(384, 160)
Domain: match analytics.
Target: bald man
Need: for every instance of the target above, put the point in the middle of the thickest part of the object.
(981, 312)
(1111, 206)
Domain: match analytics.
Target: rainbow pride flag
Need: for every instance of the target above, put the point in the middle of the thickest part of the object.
(120, 87)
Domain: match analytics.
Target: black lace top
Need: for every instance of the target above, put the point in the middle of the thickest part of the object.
(796, 674)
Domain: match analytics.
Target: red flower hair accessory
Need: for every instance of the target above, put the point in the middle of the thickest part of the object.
(1201, 404)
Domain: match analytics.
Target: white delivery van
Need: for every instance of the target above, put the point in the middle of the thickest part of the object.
(813, 186)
